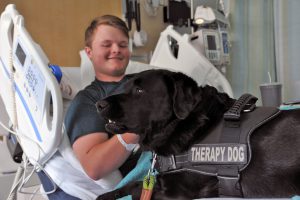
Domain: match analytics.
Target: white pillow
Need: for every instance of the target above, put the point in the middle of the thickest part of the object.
(86, 69)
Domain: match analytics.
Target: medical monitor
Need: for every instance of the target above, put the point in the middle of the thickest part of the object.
(213, 44)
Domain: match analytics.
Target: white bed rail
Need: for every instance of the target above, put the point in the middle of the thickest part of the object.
(29, 90)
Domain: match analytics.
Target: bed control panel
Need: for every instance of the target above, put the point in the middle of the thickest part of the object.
(30, 80)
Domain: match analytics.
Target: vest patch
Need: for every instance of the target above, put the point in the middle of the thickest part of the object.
(218, 154)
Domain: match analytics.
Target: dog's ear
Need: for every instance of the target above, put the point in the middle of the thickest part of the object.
(186, 95)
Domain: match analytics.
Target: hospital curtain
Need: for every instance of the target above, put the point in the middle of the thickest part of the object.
(287, 51)
(252, 40)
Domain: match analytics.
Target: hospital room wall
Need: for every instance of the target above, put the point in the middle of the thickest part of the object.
(153, 26)
(58, 26)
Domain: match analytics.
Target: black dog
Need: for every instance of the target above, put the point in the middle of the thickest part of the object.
(171, 113)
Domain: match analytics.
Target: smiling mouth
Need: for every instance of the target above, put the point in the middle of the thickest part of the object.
(115, 58)
(114, 127)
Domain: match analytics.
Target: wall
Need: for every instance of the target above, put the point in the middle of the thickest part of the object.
(59, 25)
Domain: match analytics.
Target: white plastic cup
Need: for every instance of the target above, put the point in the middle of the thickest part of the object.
(271, 94)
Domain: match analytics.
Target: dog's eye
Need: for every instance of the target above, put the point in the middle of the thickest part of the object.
(139, 90)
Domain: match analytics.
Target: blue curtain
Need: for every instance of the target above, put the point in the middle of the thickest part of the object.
(265, 46)
(287, 32)
(252, 45)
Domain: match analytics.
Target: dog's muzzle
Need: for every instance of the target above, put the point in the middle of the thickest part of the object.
(114, 127)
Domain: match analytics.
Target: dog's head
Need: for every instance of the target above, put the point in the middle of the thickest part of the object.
(152, 105)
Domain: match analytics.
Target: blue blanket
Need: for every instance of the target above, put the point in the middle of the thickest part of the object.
(289, 107)
(137, 174)
(141, 169)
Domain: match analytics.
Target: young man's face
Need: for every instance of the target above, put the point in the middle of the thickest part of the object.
(109, 53)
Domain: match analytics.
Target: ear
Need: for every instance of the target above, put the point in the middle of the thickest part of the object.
(88, 51)
(186, 95)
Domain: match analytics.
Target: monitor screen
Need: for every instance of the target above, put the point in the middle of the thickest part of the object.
(20, 54)
(225, 43)
(211, 42)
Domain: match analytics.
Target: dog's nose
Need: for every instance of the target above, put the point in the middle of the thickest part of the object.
(100, 105)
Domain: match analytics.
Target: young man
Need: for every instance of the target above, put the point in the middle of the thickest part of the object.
(101, 154)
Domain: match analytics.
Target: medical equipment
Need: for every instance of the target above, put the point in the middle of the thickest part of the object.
(213, 44)
(32, 95)
(211, 35)
(132, 12)
(177, 52)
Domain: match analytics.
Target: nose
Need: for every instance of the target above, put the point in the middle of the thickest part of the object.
(100, 105)
(115, 48)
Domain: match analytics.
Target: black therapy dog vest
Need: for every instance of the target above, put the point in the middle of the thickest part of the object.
(226, 149)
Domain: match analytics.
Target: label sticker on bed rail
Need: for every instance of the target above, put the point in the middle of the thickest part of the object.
(218, 154)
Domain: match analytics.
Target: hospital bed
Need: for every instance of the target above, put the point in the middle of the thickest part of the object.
(33, 98)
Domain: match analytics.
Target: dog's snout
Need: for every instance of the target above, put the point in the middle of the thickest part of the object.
(100, 105)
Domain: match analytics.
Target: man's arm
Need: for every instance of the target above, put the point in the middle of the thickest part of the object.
(100, 155)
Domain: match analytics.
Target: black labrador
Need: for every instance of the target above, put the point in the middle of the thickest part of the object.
(171, 112)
